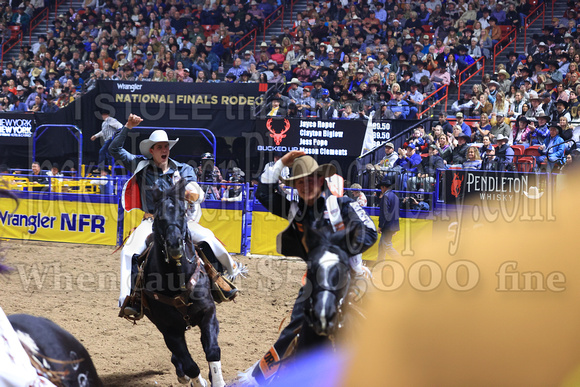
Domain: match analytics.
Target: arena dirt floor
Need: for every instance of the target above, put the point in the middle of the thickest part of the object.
(77, 287)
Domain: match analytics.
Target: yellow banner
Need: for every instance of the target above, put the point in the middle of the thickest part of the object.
(265, 228)
(59, 221)
(225, 224)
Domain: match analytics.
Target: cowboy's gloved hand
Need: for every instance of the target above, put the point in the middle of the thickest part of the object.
(133, 121)
(191, 196)
(288, 158)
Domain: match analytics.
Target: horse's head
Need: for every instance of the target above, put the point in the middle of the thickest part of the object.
(170, 224)
(329, 276)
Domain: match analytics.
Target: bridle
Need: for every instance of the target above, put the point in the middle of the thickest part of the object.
(183, 231)
(340, 295)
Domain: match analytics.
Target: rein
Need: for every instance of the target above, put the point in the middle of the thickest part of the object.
(180, 302)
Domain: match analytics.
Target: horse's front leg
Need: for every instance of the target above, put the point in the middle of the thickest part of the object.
(182, 359)
(209, 327)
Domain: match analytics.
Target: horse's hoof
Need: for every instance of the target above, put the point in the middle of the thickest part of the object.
(199, 382)
(183, 379)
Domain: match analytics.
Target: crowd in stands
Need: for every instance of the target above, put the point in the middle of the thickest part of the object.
(365, 56)
(340, 60)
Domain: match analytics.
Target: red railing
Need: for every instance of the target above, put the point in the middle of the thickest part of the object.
(445, 97)
(277, 14)
(527, 23)
(42, 16)
(7, 46)
(501, 42)
(462, 82)
(251, 39)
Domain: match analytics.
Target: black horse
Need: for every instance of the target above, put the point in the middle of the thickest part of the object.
(176, 289)
(325, 296)
(55, 352)
(328, 281)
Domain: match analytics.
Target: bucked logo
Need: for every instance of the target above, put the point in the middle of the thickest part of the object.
(456, 184)
(278, 137)
(129, 86)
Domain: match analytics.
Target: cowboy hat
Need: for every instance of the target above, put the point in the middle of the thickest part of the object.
(501, 137)
(533, 193)
(295, 81)
(557, 126)
(386, 182)
(543, 116)
(154, 138)
(504, 73)
(305, 166)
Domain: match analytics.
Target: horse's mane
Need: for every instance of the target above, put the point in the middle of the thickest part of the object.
(320, 234)
(177, 190)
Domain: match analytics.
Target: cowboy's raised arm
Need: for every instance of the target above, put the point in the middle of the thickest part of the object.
(116, 148)
(267, 192)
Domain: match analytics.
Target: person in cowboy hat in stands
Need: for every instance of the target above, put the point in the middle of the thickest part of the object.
(535, 108)
(553, 149)
(154, 167)
(504, 81)
(316, 204)
(561, 111)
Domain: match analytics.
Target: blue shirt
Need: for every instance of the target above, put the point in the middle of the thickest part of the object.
(466, 129)
(410, 163)
(475, 164)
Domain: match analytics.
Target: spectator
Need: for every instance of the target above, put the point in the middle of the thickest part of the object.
(535, 109)
(388, 161)
(306, 104)
(458, 155)
(398, 106)
(503, 151)
(499, 126)
(561, 111)
(237, 69)
(428, 170)
(247, 60)
(358, 195)
(31, 100)
(473, 159)
(553, 149)
(501, 105)
(348, 114)
(325, 109)
(482, 128)
(408, 159)
(295, 90)
(37, 175)
(49, 106)
(105, 183)
(445, 149)
(490, 162)
(38, 105)
(520, 132)
(464, 127)
(541, 131)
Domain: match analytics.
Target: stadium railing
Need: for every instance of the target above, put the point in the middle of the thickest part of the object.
(468, 70)
(540, 10)
(440, 100)
(271, 18)
(504, 43)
